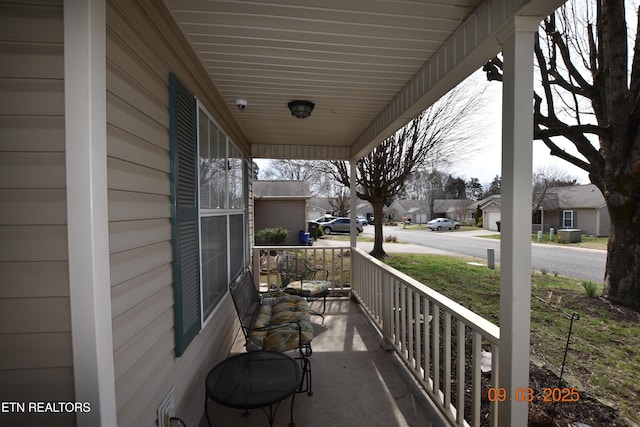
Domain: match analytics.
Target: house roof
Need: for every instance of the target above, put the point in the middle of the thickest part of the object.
(494, 199)
(579, 197)
(586, 196)
(450, 205)
(412, 205)
(281, 189)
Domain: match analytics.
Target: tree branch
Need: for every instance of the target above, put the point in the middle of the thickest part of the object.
(566, 59)
(559, 152)
(572, 130)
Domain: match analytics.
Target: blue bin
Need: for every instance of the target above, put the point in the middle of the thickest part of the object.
(304, 238)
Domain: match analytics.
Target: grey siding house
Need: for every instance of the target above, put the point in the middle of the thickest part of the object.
(579, 207)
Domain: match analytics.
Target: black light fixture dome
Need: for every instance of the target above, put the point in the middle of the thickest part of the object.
(301, 109)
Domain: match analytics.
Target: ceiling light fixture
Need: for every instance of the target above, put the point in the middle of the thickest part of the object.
(301, 109)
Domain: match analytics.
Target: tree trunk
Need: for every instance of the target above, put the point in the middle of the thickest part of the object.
(622, 273)
(378, 252)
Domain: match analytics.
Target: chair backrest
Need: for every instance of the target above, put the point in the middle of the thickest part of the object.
(292, 268)
(246, 298)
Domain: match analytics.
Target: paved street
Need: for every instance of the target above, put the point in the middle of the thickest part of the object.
(580, 263)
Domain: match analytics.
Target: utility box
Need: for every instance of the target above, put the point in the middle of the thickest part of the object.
(569, 235)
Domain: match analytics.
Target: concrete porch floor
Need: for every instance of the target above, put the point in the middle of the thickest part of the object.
(355, 381)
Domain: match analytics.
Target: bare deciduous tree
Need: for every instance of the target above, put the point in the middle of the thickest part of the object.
(341, 203)
(590, 98)
(441, 133)
(298, 170)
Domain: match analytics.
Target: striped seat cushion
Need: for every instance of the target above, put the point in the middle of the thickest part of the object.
(267, 335)
(308, 288)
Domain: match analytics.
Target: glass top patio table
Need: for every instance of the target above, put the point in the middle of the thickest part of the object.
(252, 380)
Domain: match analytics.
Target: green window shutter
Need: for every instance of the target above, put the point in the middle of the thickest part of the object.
(184, 213)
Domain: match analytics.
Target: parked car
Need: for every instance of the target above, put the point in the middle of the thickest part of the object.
(325, 218)
(342, 225)
(442, 223)
(362, 219)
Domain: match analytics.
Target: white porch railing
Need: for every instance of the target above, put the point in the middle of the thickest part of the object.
(425, 329)
(336, 260)
(399, 305)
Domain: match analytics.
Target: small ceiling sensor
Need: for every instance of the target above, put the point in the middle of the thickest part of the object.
(241, 104)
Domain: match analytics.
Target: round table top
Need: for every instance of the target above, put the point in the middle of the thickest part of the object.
(253, 379)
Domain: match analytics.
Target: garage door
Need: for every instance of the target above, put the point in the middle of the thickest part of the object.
(492, 217)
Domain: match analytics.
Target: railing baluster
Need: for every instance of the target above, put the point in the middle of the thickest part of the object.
(341, 277)
(476, 386)
(427, 349)
(403, 319)
(419, 320)
(447, 361)
(460, 372)
(396, 312)
(435, 346)
(410, 325)
(495, 355)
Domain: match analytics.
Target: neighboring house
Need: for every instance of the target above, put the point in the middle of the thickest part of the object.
(578, 207)
(415, 210)
(491, 214)
(461, 210)
(281, 204)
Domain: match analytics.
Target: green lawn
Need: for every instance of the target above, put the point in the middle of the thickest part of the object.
(604, 355)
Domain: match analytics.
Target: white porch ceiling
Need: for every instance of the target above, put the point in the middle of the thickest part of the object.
(368, 65)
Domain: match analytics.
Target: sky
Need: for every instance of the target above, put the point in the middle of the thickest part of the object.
(485, 163)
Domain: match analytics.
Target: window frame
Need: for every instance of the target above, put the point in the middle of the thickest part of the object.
(564, 218)
(226, 211)
(190, 314)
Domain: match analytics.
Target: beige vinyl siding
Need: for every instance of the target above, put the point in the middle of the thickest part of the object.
(139, 59)
(36, 362)
(587, 221)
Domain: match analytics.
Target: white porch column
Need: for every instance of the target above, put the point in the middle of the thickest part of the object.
(515, 243)
(353, 203)
(87, 216)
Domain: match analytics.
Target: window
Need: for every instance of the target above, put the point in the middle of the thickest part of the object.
(567, 219)
(209, 193)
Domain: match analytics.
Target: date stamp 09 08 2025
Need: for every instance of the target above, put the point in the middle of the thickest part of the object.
(528, 394)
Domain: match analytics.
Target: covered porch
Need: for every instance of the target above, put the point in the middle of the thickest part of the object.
(356, 382)
(387, 349)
